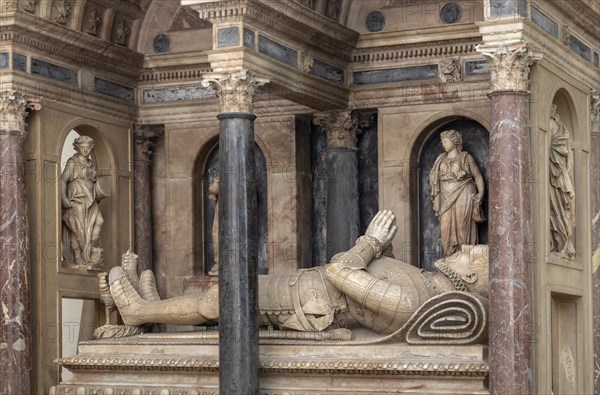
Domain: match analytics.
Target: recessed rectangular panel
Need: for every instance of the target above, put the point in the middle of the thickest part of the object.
(53, 71)
(228, 36)
(580, 48)
(477, 67)
(413, 73)
(328, 72)
(547, 24)
(113, 89)
(249, 38)
(19, 62)
(277, 51)
(567, 377)
(177, 94)
(3, 60)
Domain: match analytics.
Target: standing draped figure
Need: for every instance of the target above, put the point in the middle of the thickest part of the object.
(81, 216)
(457, 189)
(562, 192)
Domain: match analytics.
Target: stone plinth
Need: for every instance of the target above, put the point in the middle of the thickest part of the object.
(188, 363)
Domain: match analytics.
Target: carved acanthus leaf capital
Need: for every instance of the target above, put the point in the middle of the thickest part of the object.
(144, 137)
(13, 111)
(595, 115)
(341, 127)
(510, 63)
(236, 91)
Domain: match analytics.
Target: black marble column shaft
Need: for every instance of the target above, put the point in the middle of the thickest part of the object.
(142, 210)
(15, 333)
(343, 218)
(238, 278)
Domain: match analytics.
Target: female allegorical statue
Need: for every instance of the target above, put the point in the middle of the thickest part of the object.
(81, 215)
(457, 189)
(562, 191)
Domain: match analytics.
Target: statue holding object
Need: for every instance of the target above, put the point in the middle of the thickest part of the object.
(359, 288)
(82, 219)
(457, 189)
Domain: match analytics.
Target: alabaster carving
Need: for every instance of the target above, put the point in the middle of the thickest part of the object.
(359, 288)
(94, 19)
(236, 91)
(64, 11)
(129, 263)
(13, 111)
(122, 32)
(308, 61)
(449, 70)
(82, 219)
(341, 128)
(457, 189)
(333, 8)
(510, 63)
(213, 196)
(562, 190)
(29, 6)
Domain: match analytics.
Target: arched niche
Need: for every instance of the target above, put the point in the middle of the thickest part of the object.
(476, 142)
(205, 170)
(562, 160)
(106, 166)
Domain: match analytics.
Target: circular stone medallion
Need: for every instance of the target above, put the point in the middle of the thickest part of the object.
(450, 13)
(161, 43)
(375, 21)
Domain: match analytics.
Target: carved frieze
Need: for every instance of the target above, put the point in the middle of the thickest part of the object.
(510, 63)
(341, 128)
(236, 91)
(13, 111)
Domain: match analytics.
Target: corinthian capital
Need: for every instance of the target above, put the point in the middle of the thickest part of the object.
(595, 115)
(236, 90)
(509, 64)
(13, 111)
(341, 128)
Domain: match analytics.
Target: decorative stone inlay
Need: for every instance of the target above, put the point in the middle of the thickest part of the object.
(510, 63)
(236, 91)
(375, 21)
(13, 111)
(341, 128)
(161, 43)
(450, 13)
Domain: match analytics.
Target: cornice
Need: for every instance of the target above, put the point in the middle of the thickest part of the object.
(285, 19)
(169, 74)
(358, 366)
(415, 51)
(74, 47)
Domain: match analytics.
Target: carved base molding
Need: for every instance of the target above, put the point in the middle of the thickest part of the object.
(187, 363)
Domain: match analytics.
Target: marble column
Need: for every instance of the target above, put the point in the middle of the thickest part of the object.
(511, 287)
(343, 216)
(15, 326)
(238, 244)
(595, 205)
(143, 139)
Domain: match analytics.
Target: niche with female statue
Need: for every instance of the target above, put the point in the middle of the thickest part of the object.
(85, 183)
(561, 189)
(453, 189)
(206, 200)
